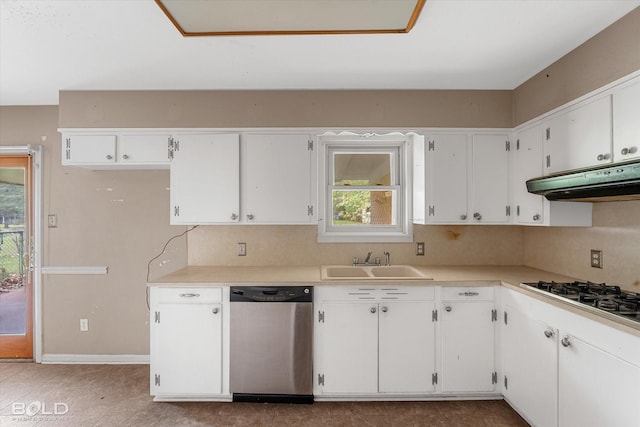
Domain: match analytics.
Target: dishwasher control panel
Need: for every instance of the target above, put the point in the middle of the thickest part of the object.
(272, 293)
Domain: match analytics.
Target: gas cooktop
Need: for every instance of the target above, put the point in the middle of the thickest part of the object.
(609, 300)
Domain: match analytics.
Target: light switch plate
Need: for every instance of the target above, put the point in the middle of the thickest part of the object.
(242, 249)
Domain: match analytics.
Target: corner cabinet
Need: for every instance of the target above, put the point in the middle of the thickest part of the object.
(626, 123)
(186, 348)
(563, 369)
(373, 341)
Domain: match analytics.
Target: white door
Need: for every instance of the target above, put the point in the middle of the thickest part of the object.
(88, 149)
(277, 185)
(626, 123)
(143, 149)
(529, 366)
(467, 346)
(447, 178)
(187, 349)
(205, 179)
(347, 348)
(407, 347)
(580, 137)
(490, 182)
(527, 165)
(595, 388)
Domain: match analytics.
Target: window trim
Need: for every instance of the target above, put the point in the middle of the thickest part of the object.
(401, 145)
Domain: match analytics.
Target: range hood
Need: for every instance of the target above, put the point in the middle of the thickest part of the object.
(618, 181)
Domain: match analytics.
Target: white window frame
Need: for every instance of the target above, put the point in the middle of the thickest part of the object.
(400, 145)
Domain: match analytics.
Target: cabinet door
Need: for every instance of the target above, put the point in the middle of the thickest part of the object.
(447, 178)
(529, 365)
(277, 185)
(527, 164)
(205, 179)
(407, 347)
(467, 346)
(595, 388)
(580, 137)
(626, 123)
(88, 149)
(490, 183)
(143, 149)
(347, 348)
(186, 349)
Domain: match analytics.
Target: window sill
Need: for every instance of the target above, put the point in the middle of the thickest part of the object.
(364, 238)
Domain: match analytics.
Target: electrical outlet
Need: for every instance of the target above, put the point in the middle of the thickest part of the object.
(420, 248)
(84, 325)
(52, 220)
(596, 258)
(242, 249)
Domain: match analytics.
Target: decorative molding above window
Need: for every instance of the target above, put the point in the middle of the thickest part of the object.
(288, 17)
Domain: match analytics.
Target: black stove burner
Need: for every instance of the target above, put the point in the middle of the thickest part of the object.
(609, 298)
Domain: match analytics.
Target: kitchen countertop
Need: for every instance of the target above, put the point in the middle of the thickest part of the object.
(451, 275)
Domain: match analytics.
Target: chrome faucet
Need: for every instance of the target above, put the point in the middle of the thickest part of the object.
(366, 260)
(387, 258)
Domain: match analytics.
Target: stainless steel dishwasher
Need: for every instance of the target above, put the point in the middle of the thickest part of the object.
(271, 344)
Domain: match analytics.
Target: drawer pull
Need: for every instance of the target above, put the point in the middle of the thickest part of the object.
(468, 294)
(189, 295)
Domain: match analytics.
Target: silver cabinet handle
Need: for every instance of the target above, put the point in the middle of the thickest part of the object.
(372, 309)
(468, 294)
(477, 216)
(463, 217)
(384, 309)
(536, 217)
(234, 216)
(109, 157)
(629, 150)
(447, 308)
(125, 156)
(549, 333)
(566, 342)
(189, 295)
(605, 156)
(250, 217)
(215, 310)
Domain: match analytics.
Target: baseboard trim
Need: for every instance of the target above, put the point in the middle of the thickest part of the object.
(96, 359)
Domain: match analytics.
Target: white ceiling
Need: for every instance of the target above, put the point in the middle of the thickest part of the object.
(52, 45)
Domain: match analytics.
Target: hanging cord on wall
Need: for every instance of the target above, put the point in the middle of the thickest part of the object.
(160, 254)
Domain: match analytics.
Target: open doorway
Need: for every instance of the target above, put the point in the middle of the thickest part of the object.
(16, 242)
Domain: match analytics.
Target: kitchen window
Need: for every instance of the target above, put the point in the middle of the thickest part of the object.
(365, 188)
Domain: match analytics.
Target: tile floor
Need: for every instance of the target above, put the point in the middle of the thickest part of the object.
(118, 395)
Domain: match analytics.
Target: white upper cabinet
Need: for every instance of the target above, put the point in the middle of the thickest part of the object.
(626, 123)
(277, 179)
(115, 150)
(490, 179)
(205, 179)
(579, 137)
(527, 164)
(465, 179)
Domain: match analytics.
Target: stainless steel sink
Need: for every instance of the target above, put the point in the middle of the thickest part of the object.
(395, 272)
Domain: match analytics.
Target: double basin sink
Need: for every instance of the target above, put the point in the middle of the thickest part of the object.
(395, 272)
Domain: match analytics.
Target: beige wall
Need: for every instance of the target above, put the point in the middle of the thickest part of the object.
(609, 55)
(114, 219)
(255, 108)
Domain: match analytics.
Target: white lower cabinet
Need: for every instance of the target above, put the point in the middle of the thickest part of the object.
(366, 345)
(563, 369)
(186, 351)
(468, 319)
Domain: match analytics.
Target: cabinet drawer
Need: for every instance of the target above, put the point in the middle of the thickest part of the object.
(374, 293)
(468, 293)
(194, 295)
